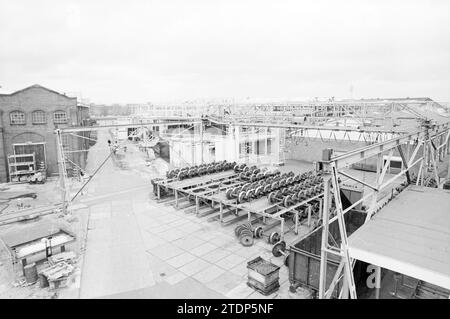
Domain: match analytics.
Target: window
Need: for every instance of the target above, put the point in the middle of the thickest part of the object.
(17, 118)
(396, 164)
(60, 117)
(38, 117)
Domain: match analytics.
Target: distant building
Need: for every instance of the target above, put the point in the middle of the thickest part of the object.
(165, 110)
(28, 119)
(100, 110)
(185, 109)
(138, 109)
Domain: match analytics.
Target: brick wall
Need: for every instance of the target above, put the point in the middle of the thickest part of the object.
(3, 173)
(28, 100)
(310, 149)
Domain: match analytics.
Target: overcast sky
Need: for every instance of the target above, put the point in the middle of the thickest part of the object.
(139, 51)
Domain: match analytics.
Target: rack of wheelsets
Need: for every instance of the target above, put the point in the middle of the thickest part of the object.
(257, 194)
(294, 198)
(286, 189)
(200, 170)
(280, 198)
(191, 176)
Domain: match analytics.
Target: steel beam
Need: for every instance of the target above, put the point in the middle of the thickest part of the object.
(97, 128)
(313, 127)
(405, 163)
(80, 136)
(358, 180)
(363, 153)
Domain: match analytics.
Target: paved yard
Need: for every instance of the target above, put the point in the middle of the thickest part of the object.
(141, 249)
(137, 248)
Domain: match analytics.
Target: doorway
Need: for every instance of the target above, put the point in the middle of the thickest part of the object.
(27, 148)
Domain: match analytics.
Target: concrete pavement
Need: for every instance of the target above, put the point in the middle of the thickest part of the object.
(137, 248)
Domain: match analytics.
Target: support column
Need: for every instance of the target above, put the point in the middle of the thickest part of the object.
(265, 141)
(448, 169)
(377, 282)
(405, 162)
(424, 165)
(237, 142)
(448, 147)
(347, 262)
(324, 245)
(176, 197)
(237, 137)
(373, 202)
(445, 148)
(345, 290)
(62, 171)
(201, 142)
(309, 217)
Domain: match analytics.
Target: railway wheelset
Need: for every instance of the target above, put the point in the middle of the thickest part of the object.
(286, 180)
(276, 185)
(199, 170)
(258, 182)
(246, 234)
(297, 193)
(303, 210)
(253, 174)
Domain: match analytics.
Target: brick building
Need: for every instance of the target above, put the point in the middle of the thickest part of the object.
(28, 119)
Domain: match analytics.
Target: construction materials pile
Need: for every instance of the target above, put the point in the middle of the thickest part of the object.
(60, 267)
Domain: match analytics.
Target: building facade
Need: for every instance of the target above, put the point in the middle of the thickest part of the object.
(28, 119)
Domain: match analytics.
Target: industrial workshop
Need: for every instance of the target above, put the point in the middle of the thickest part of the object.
(225, 203)
(220, 150)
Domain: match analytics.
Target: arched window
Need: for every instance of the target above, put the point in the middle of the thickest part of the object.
(17, 118)
(38, 117)
(60, 117)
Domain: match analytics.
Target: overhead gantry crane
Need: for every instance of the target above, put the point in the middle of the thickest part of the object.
(432, 139)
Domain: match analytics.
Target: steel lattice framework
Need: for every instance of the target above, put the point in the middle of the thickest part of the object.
(426, 146)
(434, 142)
(63, 153)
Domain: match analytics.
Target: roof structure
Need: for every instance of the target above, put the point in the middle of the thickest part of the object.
(37, 86)
(34, 232)
(411, 236)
